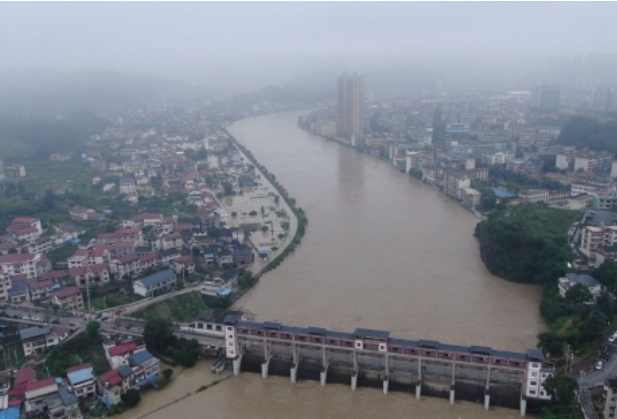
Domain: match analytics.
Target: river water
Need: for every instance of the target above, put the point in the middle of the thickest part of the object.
(382, 251)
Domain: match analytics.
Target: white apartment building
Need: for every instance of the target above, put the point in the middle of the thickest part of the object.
(20, 263)
(594, 237)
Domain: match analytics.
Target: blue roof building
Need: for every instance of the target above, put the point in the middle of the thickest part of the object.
(159, 281)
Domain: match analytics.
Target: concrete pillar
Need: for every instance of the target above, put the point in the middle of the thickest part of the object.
(264, 367)
(324, 356)
(293, 372)
(236, 365)
(418, 389)
(355, 360)
(295, 351)
(487, 399)
(451, 393)
(386, 384)
(523, 405)
(354, 380)
(323, 375)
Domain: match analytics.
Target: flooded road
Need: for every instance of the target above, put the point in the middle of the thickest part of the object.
(382, 251)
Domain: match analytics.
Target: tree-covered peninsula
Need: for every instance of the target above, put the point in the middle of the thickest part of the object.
(526, 243)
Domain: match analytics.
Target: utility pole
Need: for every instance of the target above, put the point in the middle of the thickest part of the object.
(88, 294)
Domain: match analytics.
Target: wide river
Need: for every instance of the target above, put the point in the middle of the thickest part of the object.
(382, 251)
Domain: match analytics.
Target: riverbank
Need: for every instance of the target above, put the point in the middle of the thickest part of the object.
(299, 216)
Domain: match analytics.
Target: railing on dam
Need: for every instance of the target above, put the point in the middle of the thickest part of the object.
(433, 367)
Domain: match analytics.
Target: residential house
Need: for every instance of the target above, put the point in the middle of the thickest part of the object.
(160, 281)
(69, 299)
(172, 241)
(167, 256)
(243, 256)
(43, 244)
(5, 287)
(145, 367)
(571, 279)
(110, 387)
(149, 260)
(224, 257)
(225, 281)
(85, 275)
(127, 185)
(25, 222)
(184, 263)
(83, 214)
(42, 266)
(596, 237)
(78, 259)
(118, 353)
(41, 290)
(19, 263)
(58, 335)
(34, 339)
(122, 248)
(56, 276)
(63, 404)
(127, 265)
(37, 392)
(81, 380)
(19, 292)
(23, 376)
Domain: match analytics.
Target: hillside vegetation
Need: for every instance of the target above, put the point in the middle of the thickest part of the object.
(526, 243)
(582, 131)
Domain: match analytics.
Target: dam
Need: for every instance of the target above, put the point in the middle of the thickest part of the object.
(374, 359)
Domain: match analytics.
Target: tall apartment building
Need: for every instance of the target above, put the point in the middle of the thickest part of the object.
(546, 98)
(604, 98)
(350, 105)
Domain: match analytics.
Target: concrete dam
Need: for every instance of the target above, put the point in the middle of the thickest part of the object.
(372, 358)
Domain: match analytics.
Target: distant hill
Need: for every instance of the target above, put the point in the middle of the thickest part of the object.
(48, 93)
(583, 131)
(24, 138)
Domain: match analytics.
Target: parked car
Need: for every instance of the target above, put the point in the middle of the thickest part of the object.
(600, 365)
(613, 337)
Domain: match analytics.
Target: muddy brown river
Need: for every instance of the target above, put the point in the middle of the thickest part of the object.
(382, 251)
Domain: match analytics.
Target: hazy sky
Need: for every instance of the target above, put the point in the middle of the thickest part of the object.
(191, 40)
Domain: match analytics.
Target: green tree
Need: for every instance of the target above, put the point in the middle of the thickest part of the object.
(594, 325)
(246, 280)
(550, 344)
(158, 334)
(131, 398)
(606, 305)
(167, 373)
(578, 294)
(607, 273)
(562, 388)
(92, 328)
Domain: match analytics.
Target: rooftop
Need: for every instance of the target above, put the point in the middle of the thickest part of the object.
(583, 279)
(157, 277)
(80, 376)
(33, 332)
